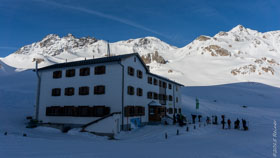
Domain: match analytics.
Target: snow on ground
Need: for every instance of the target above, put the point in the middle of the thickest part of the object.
(17, 97)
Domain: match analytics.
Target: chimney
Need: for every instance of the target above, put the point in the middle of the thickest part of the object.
(108, 49)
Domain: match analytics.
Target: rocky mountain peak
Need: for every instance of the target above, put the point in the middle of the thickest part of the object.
(50, 37)
(238, 28)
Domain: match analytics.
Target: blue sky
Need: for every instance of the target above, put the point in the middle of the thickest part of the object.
(178, 22)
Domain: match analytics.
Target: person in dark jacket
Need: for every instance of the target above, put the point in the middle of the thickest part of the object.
(199, 117)
(236, 124)
(216, 120)
(229, 123)
(244, 123)
(193, 118)
(208, 120)
(223, 123)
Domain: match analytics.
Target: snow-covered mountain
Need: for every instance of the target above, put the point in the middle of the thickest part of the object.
(239, 55)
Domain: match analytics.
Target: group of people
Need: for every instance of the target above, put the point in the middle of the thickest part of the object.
(182, 120)
(236, 123)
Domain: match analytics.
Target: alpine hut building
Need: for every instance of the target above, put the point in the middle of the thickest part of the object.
(104, 95)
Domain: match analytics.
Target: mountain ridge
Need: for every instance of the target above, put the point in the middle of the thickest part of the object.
(239, 55)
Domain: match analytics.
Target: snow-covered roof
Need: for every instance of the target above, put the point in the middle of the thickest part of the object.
(105, 60)
(154, 103)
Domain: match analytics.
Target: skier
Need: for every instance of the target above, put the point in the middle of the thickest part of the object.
(229, 122)
(193, 118)
(178, 118)
(216, 120)
(208, 120)
(223, 122)
(236, 123)
(199, 117)
(244, 125)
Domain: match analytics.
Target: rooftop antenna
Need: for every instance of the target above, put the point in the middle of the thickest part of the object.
(108, 49)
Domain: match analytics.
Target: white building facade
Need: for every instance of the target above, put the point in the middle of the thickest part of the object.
(109, 94)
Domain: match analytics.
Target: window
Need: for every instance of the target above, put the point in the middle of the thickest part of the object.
(175, 110)
(128, 111)
(84, 90)
(170, 98)
(130, 71)
(139, 74)
(162, 99)
(170, 111)
(84, 71)
(177, 100)
(139, 111)
(79, 111)
(176, 88)
(83, 111)
(54, 111)
(49, 111)
(139, 91)
(180, 110)
(150, 95)
(57, 74)
(99, 70)
(101, 111)
(69, 111)
(155, 81)
(130, 90)
(70, 73)
(164, 84)
(169, 86)
(99, 89)
(155, 95)
(69, 91)
(56, 92)
(150, 80)
(160, 83)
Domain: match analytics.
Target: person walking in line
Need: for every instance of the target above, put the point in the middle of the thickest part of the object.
(244, 125)
(223, 123)
(216, 120)
(236, 124)
(229, 123)
(208, 120)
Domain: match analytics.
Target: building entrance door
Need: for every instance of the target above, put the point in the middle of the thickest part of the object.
(155, 113)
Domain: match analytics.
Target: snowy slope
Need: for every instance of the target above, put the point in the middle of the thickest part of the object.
(7, 70)
(239, 55)
(17, 97)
